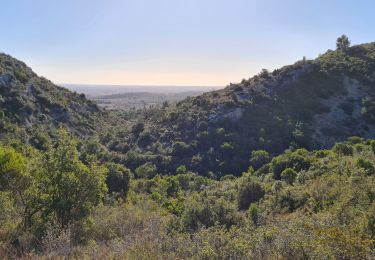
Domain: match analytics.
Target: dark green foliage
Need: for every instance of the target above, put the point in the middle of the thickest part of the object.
(147, 170)
(118, 179)
(289, 175)
(253, 211)
(343, 149)
(259, 158)
(366, 165)
(180, 149)
(298, 161)
(228, 177)
(68, 189)
(289, 108)
(138, 128)
(250, 190)
(203, 212)
(342, 43)
(13, 175)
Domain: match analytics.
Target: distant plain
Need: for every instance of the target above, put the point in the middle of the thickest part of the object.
(129, 96)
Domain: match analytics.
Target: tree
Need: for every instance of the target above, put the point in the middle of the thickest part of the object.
(289, 175)
(67, 189)
(13, 174)
(118, 178)
(14, 183)
(250, 191)
(342, 149)
(180, 148)
(138, 128)
(259, 158)
(298, 161)
(366, 165)
(342, 43)
(147, 170)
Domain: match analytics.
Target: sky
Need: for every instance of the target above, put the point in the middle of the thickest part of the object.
(174, 42)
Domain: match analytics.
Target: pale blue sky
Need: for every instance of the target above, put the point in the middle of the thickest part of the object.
(174, 42)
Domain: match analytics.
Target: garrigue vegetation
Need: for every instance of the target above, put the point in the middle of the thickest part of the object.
(279, 166)
(300, 204)
(312, 104)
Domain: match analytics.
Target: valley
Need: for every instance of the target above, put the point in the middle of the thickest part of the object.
(278, 166)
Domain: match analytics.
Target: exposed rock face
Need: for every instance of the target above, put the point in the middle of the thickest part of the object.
(234, 115)
(344, 118)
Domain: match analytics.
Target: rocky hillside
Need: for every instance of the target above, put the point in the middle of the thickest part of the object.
(312, 104)
(30, 104)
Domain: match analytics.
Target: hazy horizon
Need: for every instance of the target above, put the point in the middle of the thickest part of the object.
(108, 89)
(164, 42)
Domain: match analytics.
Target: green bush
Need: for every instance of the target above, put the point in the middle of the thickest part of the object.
(298, 161)
(250, 190)
(203, 212)
(181, 169)
(259, 158)
(180, 149)
(342, 149)
(366, 165)
(147, 170)
(373, 146)
(118, 179)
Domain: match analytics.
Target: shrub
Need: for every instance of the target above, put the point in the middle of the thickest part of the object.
(180, 148)
(289, 175)
(227, 146)
(342, 149)
(297, 160)
(181, 169)
(220, 131)
(253, 211)
(259, 158)
(138, 128)
(118, 179)
(250, 190)
(228, 177)
(366, 165)
(67, 189)
(203, 212)
(373, 146)
(342, 43)
(184, 180)
(147, 170)
(355, 140)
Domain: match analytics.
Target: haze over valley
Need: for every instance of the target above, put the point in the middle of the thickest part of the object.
(129, 97)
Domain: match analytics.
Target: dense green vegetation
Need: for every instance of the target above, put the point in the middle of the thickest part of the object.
(279, 166)
(299, 205)
(312, 104)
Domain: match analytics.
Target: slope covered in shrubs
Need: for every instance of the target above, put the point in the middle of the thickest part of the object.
(300, 205)
(310, 104)
(30, 106)
(259, 170)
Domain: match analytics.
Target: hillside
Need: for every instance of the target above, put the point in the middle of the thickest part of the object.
(224, 175)
(311, 104)
(31, 104)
